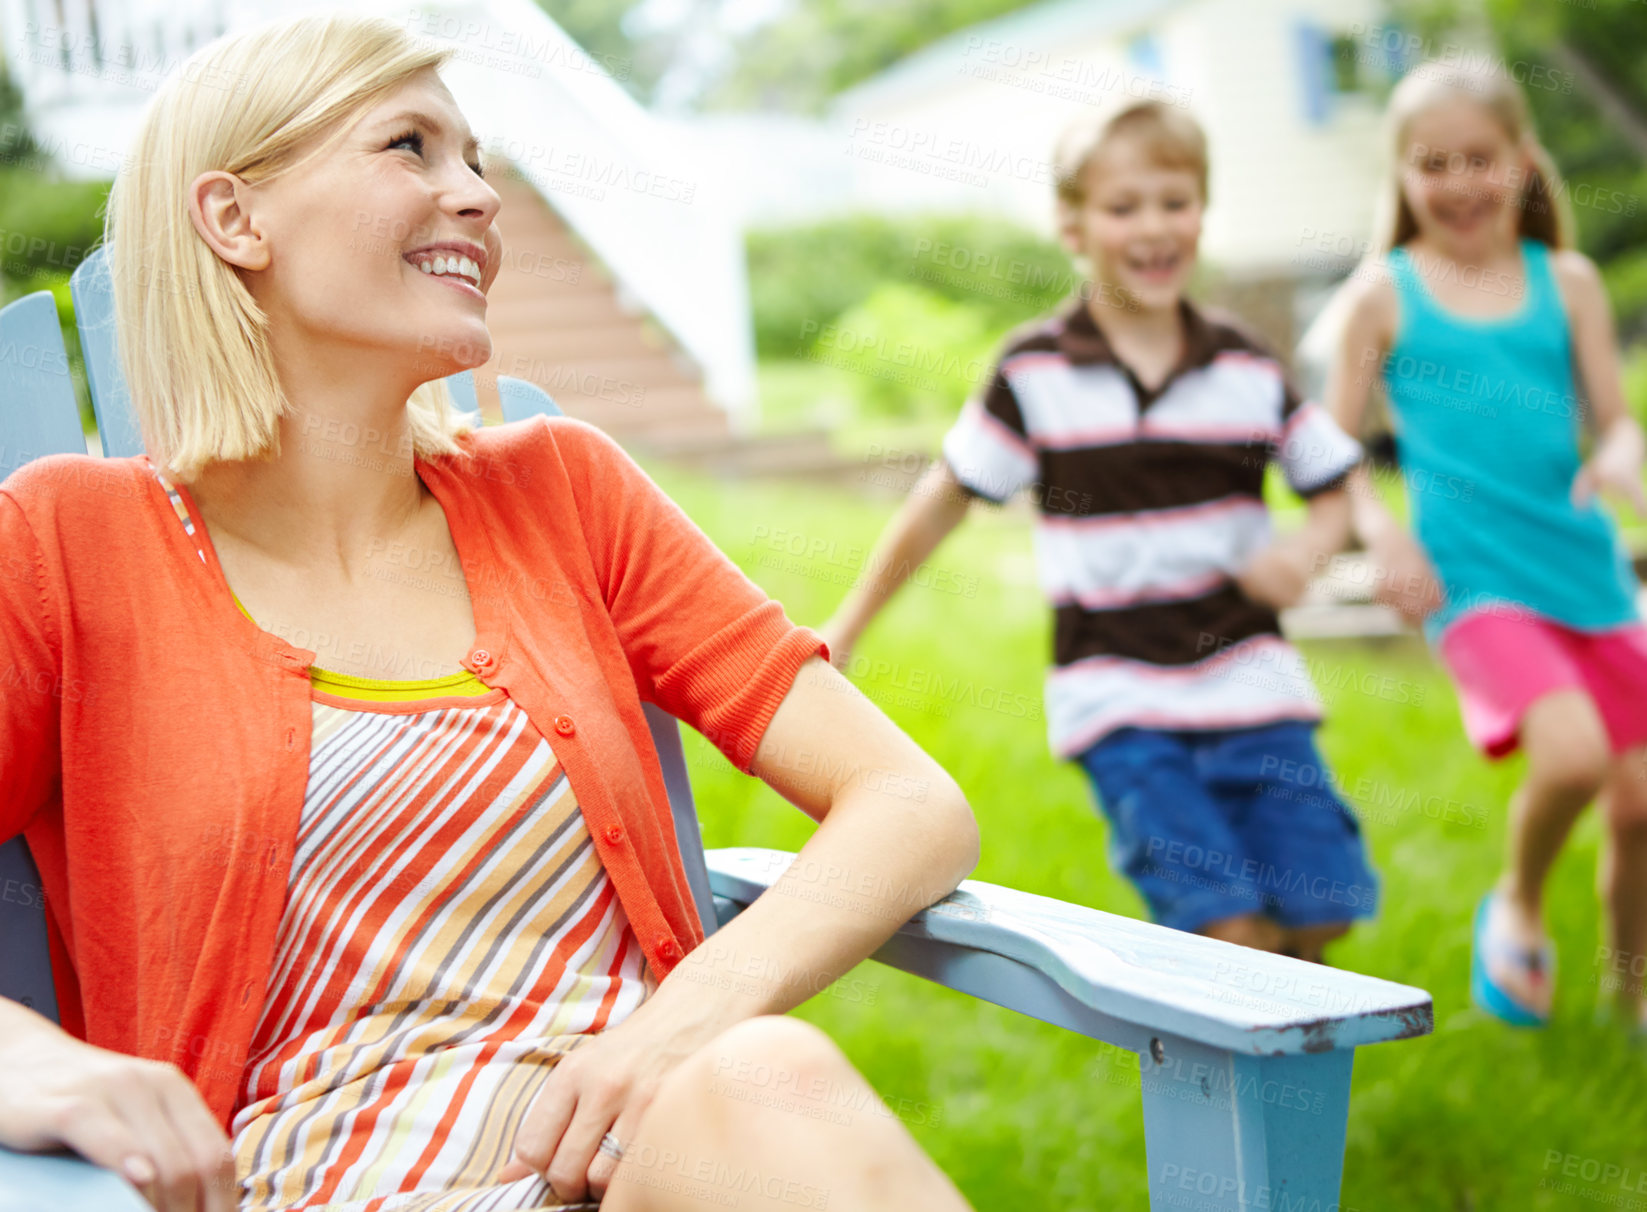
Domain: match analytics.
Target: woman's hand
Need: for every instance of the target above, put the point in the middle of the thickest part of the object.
(140, 1118)
(603, 1085)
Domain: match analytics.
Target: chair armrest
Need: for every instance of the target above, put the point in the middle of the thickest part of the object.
(34, 1182)
(1109, 976)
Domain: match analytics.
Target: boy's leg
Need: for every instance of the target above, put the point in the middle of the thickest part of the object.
(1309, 942)
(1567, 761)
(1248, 930)
(1624, 883)
(1170, 836)
(1311, 865)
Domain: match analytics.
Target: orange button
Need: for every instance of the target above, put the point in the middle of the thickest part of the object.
(481, 657)
(564, 725)
(668, 948)
(614, 834)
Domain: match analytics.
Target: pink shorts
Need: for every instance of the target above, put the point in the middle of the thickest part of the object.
(1501, 662)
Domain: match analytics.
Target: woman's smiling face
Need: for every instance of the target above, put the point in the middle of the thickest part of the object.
(385, 240)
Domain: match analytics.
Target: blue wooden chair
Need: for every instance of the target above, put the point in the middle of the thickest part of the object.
(1244, 1057)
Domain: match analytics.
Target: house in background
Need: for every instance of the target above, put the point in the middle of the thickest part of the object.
(970, 122)
(623, 292)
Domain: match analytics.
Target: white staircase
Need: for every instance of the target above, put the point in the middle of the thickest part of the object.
(610, 174)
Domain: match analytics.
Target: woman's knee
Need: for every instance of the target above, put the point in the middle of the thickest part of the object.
(756, 1065)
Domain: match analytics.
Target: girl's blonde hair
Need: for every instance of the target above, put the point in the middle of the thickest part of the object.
(194, 344)
(1544, 215)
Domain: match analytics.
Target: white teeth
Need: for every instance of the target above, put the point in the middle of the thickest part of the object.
(453, 266)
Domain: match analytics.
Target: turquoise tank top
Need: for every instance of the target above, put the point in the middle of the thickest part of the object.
(1487, 425)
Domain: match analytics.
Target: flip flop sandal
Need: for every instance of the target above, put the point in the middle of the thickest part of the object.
(1489, 996)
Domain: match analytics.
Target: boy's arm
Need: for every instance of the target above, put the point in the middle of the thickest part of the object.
(935, 507)
(1615, 463)
(1279, 573)
(986, 453)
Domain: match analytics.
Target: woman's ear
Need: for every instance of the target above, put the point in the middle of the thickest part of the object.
(220, 208)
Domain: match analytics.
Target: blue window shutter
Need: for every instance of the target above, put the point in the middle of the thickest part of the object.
(1144, 53)
(1314, 70)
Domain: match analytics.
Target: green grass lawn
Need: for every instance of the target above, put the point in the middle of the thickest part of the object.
(1024, 1115)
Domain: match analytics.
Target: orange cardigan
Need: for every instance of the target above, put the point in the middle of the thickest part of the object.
(154, 741)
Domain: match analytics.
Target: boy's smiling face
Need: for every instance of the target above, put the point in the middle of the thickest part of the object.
(1139, 224)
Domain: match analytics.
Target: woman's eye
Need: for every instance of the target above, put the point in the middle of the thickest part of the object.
(478, 168)
(412, 139)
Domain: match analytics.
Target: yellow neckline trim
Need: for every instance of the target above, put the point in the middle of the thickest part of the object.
(389, 690)
(384, 690)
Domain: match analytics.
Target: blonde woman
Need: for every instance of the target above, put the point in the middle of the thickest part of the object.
(362, 887)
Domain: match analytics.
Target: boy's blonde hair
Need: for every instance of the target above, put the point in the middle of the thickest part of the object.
(1171, 138)
(1544, 214)
(194, 344)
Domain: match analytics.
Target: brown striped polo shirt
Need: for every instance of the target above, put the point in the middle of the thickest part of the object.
(1148, 502)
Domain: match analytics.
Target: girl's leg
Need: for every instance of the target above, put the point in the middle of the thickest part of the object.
(1624, 882)
(771, 1115)
(1567, 762)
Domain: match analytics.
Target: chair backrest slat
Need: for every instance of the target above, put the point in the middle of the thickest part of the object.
(38, 417)
(94, 317)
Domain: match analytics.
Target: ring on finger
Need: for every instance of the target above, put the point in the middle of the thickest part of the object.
(611, 1147)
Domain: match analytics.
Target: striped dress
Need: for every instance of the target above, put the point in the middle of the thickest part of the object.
(449, 933)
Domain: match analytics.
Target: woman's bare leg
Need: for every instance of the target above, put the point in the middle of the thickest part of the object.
(772, 1116)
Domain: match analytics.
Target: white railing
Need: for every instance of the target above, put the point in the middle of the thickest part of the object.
(648, 212)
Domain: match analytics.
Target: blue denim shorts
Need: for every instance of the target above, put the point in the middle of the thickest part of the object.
(1218, 824)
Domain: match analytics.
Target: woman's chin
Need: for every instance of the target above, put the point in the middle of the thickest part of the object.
(438, 357)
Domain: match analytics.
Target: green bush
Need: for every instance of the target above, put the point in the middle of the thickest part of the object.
(46, 227)
(804, 278)
(916, 354)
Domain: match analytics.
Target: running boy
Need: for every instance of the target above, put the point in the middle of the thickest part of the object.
(1145, 426)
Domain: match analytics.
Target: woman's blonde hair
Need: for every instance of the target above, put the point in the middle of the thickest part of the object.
(194, 344)
(1544, 215)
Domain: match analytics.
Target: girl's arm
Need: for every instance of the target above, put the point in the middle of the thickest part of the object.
(935, 507)
(1404, 578)
(1615, 463)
